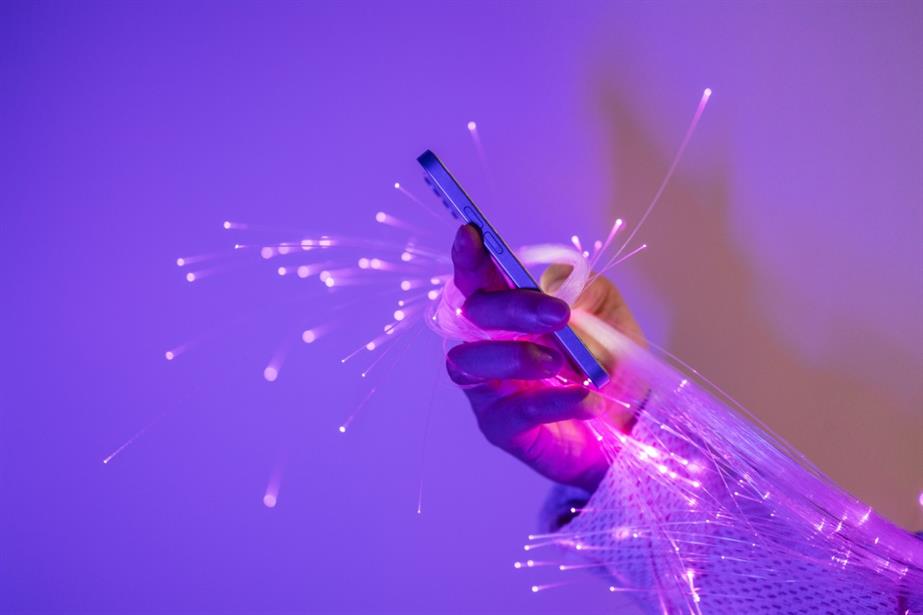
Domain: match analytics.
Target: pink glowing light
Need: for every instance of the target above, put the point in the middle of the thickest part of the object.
(668, 463)
(133, 438)
(435, 213)
(616, 226)
(270, 373)
(384, 218)
(621, 260)
(271, 494)
(190, 277)
(676, 158)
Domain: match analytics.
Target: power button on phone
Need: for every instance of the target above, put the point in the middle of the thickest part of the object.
(492, 244)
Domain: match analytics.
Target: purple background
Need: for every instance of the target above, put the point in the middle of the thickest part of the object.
(784, 262)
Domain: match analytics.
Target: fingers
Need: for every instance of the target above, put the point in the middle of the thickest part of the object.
(521, 310)
(554, 276)
(481, 361)
(474, 268)
(603, 300)
(506, 422)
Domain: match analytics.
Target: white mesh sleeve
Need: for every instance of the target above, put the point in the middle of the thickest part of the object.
(715, 546)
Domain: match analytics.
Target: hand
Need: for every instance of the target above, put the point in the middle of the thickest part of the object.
(518, 405)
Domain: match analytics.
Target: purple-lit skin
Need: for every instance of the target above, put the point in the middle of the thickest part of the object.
(516, 408)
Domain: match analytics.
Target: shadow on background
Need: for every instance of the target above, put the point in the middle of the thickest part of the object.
(865, 438)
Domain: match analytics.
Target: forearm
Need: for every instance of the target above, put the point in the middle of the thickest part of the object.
(693, 519)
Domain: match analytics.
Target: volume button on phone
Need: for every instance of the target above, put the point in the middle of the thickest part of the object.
(474, 217)
(492, 244)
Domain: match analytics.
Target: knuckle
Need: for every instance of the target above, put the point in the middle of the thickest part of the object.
(528, 410)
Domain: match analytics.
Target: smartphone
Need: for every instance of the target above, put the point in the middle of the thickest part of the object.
(462, 207)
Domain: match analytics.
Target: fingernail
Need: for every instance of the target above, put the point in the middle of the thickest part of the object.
(461, 239)
(553, 312)
(595, 404)
(464, 242)
(550, 360)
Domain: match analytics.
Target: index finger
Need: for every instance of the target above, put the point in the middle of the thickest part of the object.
(474, 268)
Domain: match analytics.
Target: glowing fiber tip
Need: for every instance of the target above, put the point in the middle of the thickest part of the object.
(190, 277)
(226, 225)
(472, 126)
(380, 217)
(170, 356)
(397, 185)
(269, 500)
(308, 337)
(270, 373)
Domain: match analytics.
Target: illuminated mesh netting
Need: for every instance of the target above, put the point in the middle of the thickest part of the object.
(703, 511)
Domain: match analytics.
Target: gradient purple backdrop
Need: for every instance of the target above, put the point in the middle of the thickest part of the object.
(130, 131)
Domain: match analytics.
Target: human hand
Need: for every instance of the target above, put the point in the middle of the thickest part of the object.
(510, 384)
